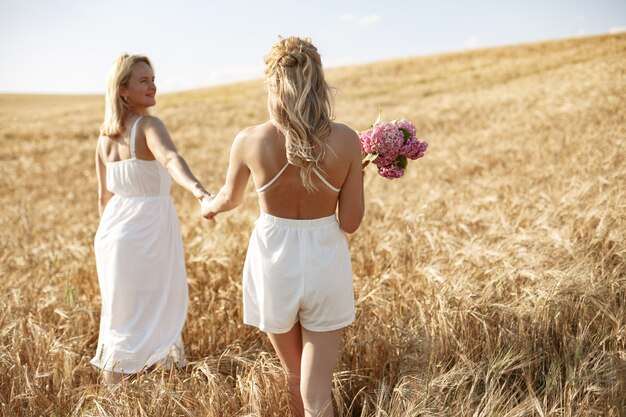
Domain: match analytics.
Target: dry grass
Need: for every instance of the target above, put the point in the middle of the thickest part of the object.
(490, 281)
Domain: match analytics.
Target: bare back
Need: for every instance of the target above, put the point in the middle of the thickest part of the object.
(118, 149)
(265, 156)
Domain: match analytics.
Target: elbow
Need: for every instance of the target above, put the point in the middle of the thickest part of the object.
(350, 220)
(170, 160)
(350, 226)
(349, 230)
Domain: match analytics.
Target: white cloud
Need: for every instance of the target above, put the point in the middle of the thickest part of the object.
(360, 20)
(581, 32)
(580, 17)
(471, 42)
(618, 29)
(368, 20)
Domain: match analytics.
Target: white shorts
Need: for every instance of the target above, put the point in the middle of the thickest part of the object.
(297, 270)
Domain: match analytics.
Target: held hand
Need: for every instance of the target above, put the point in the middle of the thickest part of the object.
(205, 208)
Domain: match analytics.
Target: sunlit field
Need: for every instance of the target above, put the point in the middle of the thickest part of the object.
(489, 281)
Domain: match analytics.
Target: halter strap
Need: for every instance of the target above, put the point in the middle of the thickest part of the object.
(325, 181)
(132, 138)
(273, 180)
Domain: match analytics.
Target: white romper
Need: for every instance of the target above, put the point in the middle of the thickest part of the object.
(141, 268)
(297, 270)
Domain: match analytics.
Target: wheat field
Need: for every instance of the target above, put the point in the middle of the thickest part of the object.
(489, 281)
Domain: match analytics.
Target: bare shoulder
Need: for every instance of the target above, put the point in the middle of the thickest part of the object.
(257, 130)
(151, 122)
(253, 134)
(103, 142)
(343, 129)
(344, 137)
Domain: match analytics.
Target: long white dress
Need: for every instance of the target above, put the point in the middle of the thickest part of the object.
(141, 268)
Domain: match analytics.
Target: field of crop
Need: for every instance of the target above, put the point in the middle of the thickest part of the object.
(489, 281)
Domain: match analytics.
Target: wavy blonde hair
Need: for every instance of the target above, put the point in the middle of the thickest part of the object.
(299, 102)
(115, 108)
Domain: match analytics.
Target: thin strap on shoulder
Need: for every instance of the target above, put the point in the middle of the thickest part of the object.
(132, 137)
(266, 186)
(325, 181)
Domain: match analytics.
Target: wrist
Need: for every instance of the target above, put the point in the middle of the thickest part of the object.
(199, 192)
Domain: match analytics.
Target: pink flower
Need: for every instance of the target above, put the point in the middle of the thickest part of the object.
(391, 171)
(383, 139)
(366, 141)
(391, 141)
(413, 148)
(389, 145)
(405, 124)
(385, 159)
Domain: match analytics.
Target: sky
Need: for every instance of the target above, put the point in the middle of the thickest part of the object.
(67, 46)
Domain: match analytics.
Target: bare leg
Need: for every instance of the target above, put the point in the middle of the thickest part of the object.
(111, 378)
(319, 358)
(288, 346)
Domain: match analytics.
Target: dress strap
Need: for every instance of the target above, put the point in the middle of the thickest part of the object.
(132, 138)
(325, 181)
(266, 186)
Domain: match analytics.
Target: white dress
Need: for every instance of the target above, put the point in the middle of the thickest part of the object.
(141, 268)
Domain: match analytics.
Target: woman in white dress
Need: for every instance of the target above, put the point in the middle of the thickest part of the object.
(138, 246)
(297, 278)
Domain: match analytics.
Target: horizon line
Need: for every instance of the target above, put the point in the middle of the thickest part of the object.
(329, 67)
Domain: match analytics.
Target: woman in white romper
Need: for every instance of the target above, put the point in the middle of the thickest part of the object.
(297, 283)
(138, 247)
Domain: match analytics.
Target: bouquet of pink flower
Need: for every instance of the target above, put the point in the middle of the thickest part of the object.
(389, 145)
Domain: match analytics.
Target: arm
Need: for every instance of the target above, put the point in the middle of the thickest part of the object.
(231, 194)
(351, 196)
(162, 147)
(104, 195)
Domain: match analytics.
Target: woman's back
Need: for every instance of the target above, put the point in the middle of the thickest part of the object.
(279, 184)
(129, 172)
(300, 129)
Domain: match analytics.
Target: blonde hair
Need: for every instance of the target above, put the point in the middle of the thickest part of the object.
(115, 108)
(299, 102)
